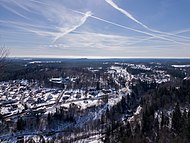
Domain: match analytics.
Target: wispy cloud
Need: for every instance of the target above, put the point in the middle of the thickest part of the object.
(64, 31)
(95, 41)
(61, 20)
(112, 45)
(67, 28)
(14, 11)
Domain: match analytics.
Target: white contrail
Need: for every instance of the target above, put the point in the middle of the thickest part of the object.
(140, 41)
(39, 2)
(182, 31)
(15, 12)
(23, 24)
(32, 28)
(126, 13)
(139, 31)
(21, 6)
(38, 32)
(56, 34)
(82, 21)
(132, 29)
(137, 21)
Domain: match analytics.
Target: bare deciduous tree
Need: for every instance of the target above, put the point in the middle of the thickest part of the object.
(3, 55)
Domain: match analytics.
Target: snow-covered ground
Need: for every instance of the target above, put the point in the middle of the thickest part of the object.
(21, 97)
(180, 66)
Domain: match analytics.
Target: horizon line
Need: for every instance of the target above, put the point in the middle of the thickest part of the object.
(95, 57)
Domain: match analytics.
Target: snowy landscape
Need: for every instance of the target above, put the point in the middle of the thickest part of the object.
(75, 106)
(94, 71)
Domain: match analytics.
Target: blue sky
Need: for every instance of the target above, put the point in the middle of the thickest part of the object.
(95, 28)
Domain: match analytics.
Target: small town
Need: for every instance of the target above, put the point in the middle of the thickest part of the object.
(76, 100)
